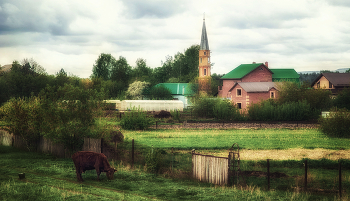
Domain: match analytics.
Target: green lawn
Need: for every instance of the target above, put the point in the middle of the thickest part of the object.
(50, 178)
(255, 139)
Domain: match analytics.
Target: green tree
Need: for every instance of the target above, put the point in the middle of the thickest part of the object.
(120, 75)
(160, 93)
(342, 100)
(141, 71)
(102, 67)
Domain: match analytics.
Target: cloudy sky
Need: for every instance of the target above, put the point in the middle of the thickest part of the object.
(306, 35)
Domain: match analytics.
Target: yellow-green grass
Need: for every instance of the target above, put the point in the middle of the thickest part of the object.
(250, 139)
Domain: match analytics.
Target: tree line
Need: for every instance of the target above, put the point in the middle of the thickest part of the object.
(109, 75)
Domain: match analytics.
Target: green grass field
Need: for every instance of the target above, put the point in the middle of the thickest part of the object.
(255, 139)
(50, 178)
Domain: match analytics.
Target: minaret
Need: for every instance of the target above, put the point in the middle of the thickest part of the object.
(204, 61)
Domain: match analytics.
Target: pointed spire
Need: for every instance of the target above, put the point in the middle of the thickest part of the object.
(204, 39)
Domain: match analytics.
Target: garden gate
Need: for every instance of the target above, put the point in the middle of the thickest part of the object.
(216, 170)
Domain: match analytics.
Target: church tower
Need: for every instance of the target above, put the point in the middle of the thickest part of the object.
(204, 62)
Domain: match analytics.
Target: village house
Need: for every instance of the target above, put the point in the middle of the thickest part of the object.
(251, 83)
(334, 82)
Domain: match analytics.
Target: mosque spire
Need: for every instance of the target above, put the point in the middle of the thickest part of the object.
(204, 39)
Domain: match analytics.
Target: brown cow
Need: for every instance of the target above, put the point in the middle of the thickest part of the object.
(88, 160)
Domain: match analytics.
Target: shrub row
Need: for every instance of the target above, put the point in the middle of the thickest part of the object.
(292, 111)
(337, 124)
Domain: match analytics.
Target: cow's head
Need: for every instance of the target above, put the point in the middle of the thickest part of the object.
(110, 173)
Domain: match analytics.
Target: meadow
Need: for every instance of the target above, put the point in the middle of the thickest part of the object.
(48, 177)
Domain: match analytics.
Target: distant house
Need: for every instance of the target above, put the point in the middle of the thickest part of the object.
(332, 81)
(179, 91)
(251, 83)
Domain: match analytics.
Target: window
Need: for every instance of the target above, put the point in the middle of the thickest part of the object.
(318, 85)
(239, 92)
(330, 85)
(239, 105)
(272, 94)
(205, 53)
(201, 60)
(205, 71)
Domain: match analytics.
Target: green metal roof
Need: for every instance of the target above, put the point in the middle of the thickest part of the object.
(284, 74)
(177, 88)
(241, 71)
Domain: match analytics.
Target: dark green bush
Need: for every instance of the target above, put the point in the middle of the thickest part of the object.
(292, 111)
(216, 108)
(337, 124)
(136, 120)
(154, 160)
(342, 100)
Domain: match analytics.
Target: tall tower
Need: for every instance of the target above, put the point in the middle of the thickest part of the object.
(204, 62)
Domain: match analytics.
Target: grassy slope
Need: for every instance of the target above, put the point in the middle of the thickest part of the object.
(256, 139)
(49, 178)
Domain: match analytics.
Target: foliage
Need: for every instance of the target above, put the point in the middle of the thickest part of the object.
(295, 92)
(121, 73)
(102, 67)
(154, 160)
(216, 108)
(65, 115)
(176, 115)
(270, 111)
(337, 124)
(22, 118)
(225, 110)
(136, 119)
(136, 89)
(342, 99)
(160, 93)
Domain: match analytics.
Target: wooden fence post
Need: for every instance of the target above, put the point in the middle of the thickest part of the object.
(132, 153)
(340, 186)
(268, 174)
(305, 180)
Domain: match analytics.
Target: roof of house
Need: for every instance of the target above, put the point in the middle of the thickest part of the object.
(204, 39)
(252, 87)
(177, 88)
(6, 68)
(284, 74)
(242, 70)
(337, 79)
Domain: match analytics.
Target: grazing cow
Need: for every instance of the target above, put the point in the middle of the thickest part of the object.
(88, 160)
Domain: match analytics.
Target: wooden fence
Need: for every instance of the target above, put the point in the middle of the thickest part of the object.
(210, 169)
(48, 146)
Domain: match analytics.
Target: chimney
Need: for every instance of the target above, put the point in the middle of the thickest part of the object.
(254, 62)
(267, 64)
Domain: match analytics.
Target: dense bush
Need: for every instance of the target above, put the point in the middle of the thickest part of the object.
(342, 100)
(154, 160)
(216, 108)
(271, 111)
(136, 119)
(65, 115)
(337, 124)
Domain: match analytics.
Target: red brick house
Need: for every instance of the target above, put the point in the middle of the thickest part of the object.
(251, 83)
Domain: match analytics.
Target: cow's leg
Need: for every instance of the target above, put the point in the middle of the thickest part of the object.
(79, 177)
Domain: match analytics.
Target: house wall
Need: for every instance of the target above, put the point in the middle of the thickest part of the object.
(324, 83)
(247, 98)
(260, 74)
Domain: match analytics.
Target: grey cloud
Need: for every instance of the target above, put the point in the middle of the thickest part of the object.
(154, 8)
(23, 16)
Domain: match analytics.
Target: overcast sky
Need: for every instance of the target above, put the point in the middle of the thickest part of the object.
(307, 35)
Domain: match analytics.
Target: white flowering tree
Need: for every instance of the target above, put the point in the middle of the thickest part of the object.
(136, 88)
